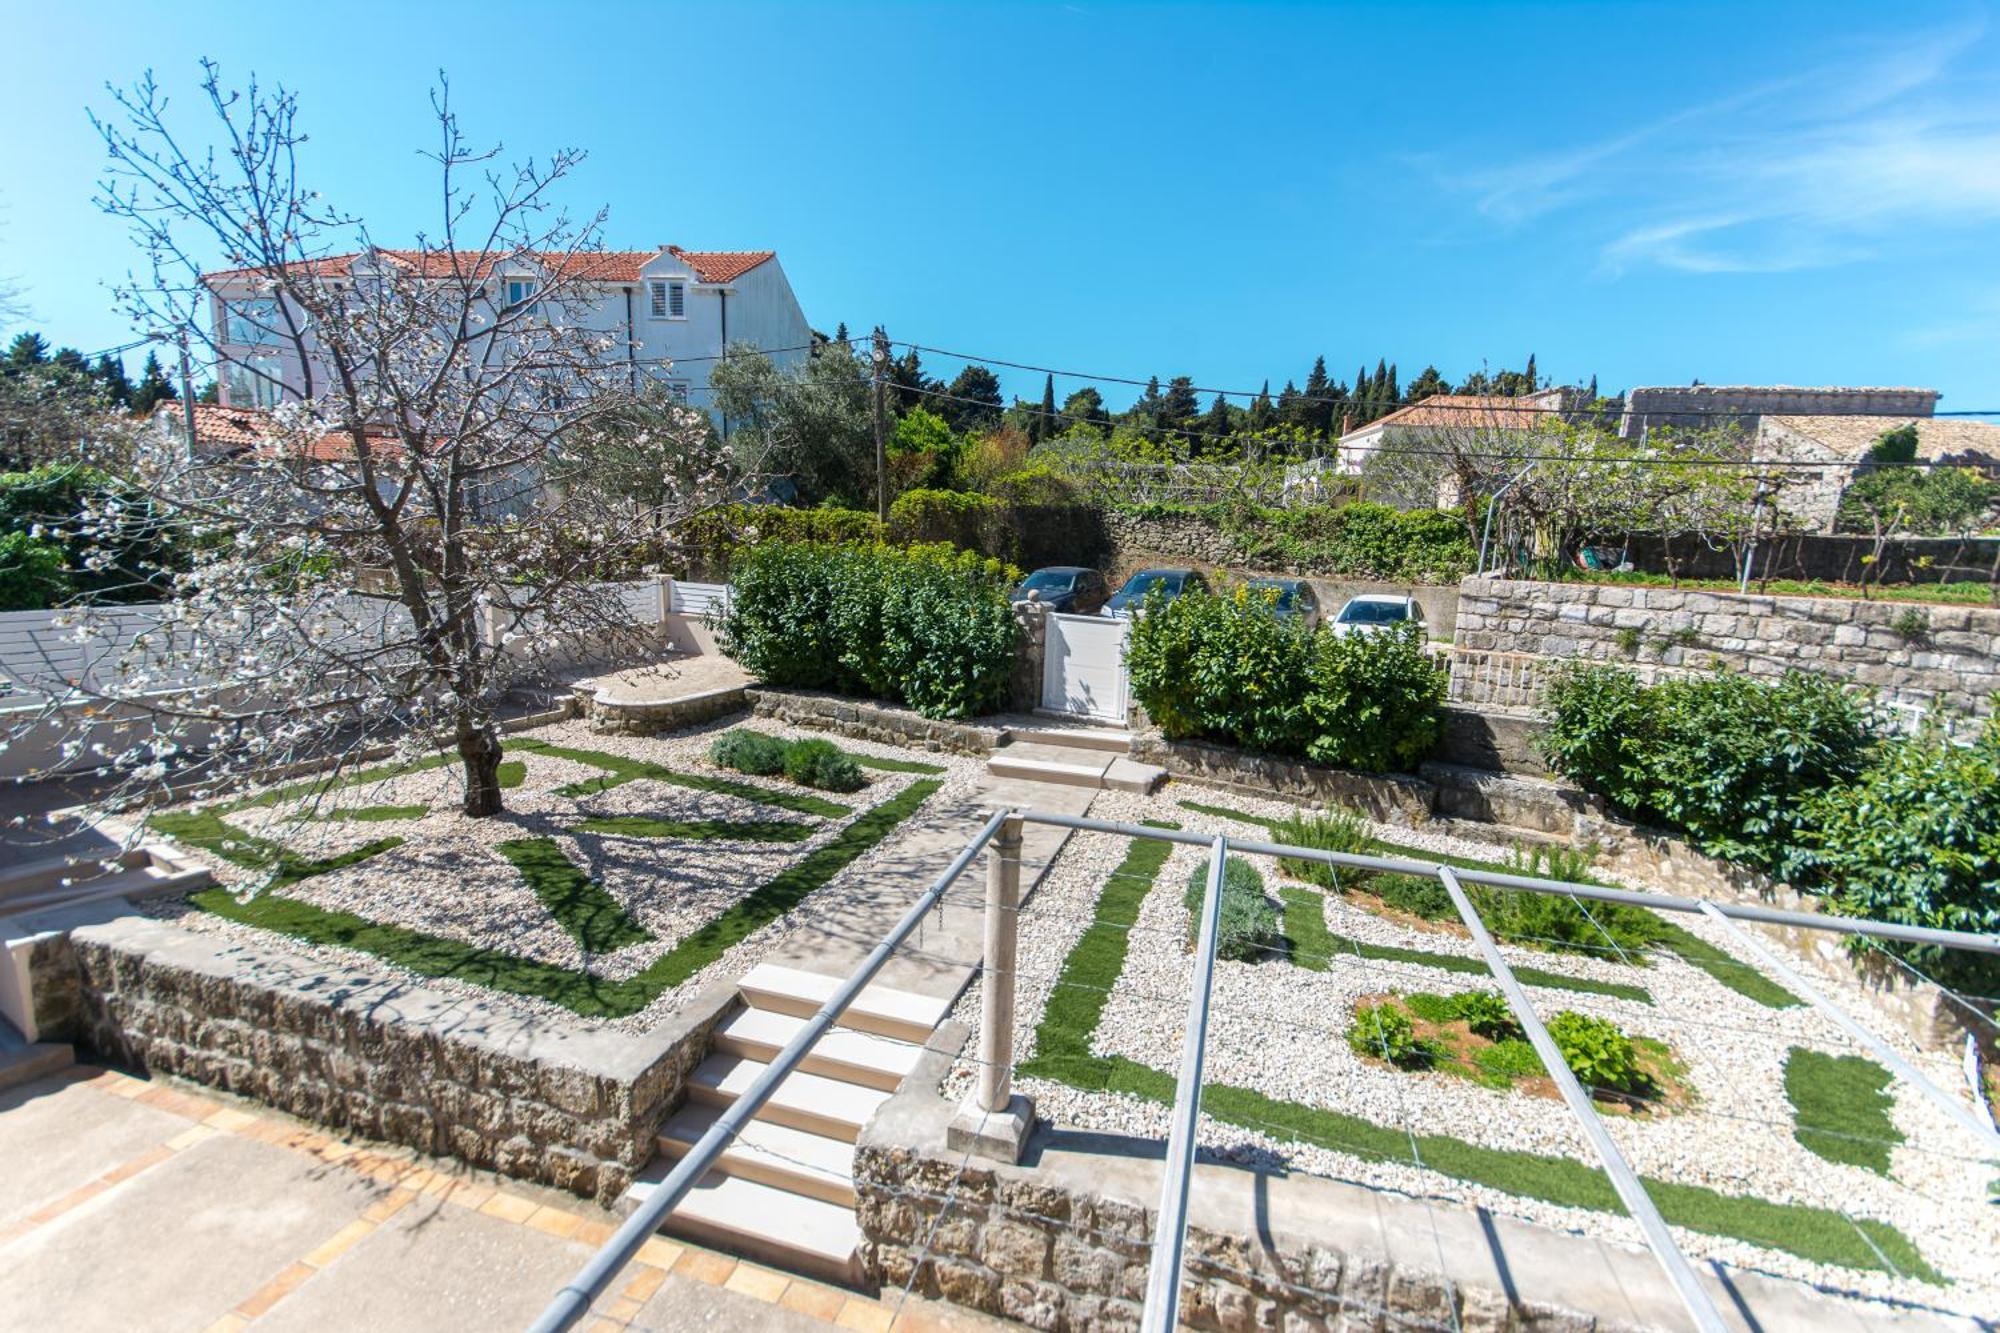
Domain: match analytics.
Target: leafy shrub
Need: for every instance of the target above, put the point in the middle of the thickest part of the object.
(974, 522)
(1219, 667)
(129, 555)
(1248, 930)
(1566, 925)
(1509, 1059)
(1727, 759)
(33, 576)
(1420, 895)
(1384, 1032)
(1487, 1013)
(1915, 838)
(1330, 830)
(749, 752)
(820, 763)
(1430, 1007)
(1598, 1052)
(1911, 626)
(1361, 539)
(925, 626)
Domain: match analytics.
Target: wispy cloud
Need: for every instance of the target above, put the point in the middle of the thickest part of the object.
(1834, 162)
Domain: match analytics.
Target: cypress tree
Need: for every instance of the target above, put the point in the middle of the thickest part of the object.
(1529, 377)
(1262, 415)
(1216, 428)
(1593, 389)
(1318, 412)
(1395, 397)
(110, 372)
(1360, 395)
(1047, 418)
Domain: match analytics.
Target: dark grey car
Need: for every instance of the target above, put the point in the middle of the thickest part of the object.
(1076, 589)
(1170, 582)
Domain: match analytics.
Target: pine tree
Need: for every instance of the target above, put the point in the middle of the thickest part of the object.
(1085, 407)
(1318, 411)
(972, 401)
(840, 332)
(28, 349)
(153, 388)
(1262, 414)
(1217, 426)
(1289, 406)
(1426, 385)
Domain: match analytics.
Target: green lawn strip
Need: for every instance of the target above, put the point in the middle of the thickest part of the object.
(698, 830)
(576, 990)
(1741, 977)
(372, 814)
(204, 830)
(1076, 1004)
(873, 761)
(1313, 945)
(593, 918)
(1841, 1104)
(512, 773)
(619, 770)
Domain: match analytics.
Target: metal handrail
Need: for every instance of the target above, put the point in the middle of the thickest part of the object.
(1163, 1275)
(573, 1301)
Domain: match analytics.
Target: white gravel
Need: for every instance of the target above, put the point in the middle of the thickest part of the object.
(1280, 1029)
(449, 880)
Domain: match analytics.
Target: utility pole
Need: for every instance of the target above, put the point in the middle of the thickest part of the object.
(880, 358)
(187, 390)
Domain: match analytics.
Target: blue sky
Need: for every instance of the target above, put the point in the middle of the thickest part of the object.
(1797, 193)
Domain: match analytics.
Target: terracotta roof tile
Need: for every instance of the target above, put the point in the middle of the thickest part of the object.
(232, 431)
(1468, 410)
(1937, 437)
(721, 265)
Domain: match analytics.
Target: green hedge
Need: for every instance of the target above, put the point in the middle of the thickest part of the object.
(1222, 667)
(925, 626)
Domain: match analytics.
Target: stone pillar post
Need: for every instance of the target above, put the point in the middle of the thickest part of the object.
(994, 1121)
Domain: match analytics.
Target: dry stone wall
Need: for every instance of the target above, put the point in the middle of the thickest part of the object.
(871, 721)
(1912, 654)
(565, 1105)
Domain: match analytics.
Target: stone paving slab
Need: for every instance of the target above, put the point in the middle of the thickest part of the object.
(204, 1213)
(60, 1136)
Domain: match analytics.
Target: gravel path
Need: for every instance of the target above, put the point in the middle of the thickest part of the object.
(1280, 1029)
(449, 880)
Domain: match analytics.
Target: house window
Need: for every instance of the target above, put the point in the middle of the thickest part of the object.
(521, 295)
(678, 391)
(255, 381)
(251, 323)
(667, 300)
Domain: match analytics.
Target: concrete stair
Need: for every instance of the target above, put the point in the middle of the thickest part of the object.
(782, 1191)
(23, 1061)
(1092, 757)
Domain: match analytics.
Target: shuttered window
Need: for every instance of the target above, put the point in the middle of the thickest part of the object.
(667, 300)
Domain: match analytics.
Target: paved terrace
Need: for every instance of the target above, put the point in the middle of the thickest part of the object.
(134, 1204)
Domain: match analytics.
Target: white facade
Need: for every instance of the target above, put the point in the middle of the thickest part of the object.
(670, 311)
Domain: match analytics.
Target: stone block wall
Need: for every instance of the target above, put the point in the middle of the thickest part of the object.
(871, 721)
(557, 1103)
(628, 717)
(1912, 654)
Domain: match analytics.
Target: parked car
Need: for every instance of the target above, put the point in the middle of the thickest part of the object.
(1072, 588)
(1290, 597)
(1371, 613)
(1170, 582)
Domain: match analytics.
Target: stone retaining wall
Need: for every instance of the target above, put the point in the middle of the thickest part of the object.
(1914, 654)
(865, 720)
(1393, 799)
(565, 1105)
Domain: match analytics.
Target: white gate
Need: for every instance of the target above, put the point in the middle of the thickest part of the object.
(1083, 667)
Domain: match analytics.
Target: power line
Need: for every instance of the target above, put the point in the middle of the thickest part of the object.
(1500, 406)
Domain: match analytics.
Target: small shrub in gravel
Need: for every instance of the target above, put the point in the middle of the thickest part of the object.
(1509, 1060)
(1248, 930)
(820, 763)
(1384, 1032)
(1598, 1053)
(1331, 830)
(1484, 1012)
(749, 752)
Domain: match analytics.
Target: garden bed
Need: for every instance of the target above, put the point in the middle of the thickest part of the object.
(1744, 1150)
(623, 870)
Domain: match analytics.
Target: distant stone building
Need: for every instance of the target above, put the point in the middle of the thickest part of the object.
(1837, 445)
(1744, 405)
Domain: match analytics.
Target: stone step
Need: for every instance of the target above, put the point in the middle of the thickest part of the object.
(1051, 763)
(809, 1102)
(23, 1061)
(851, 1057)
(770, 1154)
(882, 1010)
(1131, 775)
(1112, 740)
(762, 1223)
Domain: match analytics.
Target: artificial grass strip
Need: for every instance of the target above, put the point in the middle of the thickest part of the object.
(698, 830)
(593, 918)
(1076, 1005)
(373, 814)
(205, 830)
(1841, 1106)
(619, 770)
(1313, 946)
(786, 890)
(574, 989)
(1741, 977)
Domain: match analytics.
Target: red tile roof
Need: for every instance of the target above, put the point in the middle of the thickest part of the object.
(613, 266)
(233, 431)
(1470, 410)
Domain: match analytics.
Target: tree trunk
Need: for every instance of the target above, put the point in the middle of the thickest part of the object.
(479, 749)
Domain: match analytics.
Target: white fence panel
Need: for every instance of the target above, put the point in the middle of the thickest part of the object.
(1083, 667)
(700, 599)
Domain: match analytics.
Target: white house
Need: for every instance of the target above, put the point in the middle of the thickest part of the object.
(671, 312)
